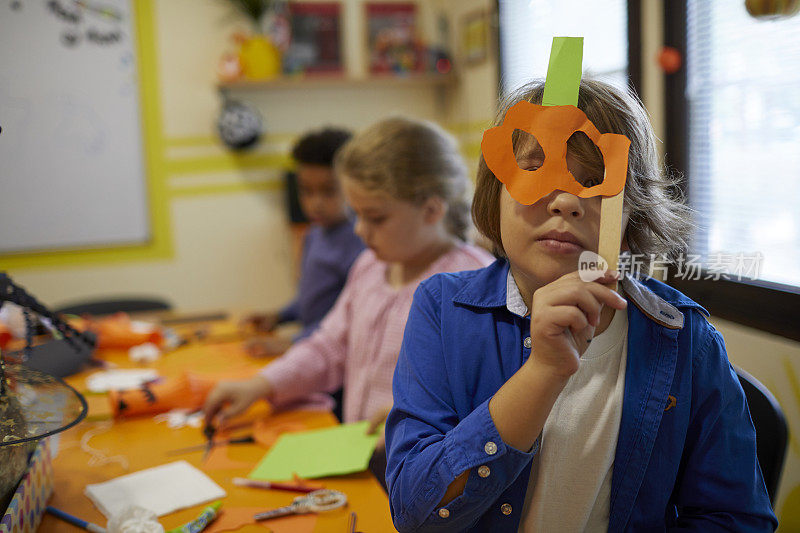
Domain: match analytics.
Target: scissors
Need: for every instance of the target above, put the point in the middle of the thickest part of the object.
(351, 524)
(208, 431)
(248, 439)
(314, 502)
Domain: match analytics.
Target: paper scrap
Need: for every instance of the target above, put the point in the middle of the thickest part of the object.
(120, 379)
(218, 459)
(161, 489)
(325, 452)
(267, 432)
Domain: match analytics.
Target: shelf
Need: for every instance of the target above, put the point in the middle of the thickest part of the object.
(334, 81)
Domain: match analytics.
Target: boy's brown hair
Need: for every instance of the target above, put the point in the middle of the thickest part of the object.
(659, 222)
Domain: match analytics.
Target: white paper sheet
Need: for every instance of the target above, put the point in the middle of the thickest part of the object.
(161, 489)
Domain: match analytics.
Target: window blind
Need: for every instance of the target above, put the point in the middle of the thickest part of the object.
(743, 92)
(527, 29)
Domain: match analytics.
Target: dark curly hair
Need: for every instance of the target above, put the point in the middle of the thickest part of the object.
(320, 146)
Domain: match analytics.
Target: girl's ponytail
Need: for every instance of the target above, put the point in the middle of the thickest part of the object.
(458, 220)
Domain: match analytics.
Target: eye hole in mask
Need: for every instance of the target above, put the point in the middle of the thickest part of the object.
(590, 159)
(527, 150)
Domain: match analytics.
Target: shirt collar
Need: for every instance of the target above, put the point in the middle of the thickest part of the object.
(514, 301)
(486, 287)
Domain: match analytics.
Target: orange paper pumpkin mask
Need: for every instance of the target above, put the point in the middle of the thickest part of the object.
(552, 126)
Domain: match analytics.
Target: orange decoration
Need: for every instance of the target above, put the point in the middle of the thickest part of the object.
(670, 59)
(118, 332)
(772, 9)
(183, 392)
(5, 336)
(552, 126)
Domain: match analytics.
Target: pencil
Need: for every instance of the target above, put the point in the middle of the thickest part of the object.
(75, 521)
(244, 482)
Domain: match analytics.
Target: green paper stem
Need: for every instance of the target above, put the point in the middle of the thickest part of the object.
(564, 72)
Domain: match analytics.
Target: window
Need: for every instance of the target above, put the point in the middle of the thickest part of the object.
(733, 128)
(743, 102)
(527, 28)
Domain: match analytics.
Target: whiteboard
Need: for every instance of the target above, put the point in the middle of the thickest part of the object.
(71, 153)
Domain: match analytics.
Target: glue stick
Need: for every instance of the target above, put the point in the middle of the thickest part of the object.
(199, 524)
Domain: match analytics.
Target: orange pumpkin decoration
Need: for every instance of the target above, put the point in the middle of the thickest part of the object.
(552, 126)
(772, 9)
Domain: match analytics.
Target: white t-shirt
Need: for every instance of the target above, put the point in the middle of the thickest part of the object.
(570, 483)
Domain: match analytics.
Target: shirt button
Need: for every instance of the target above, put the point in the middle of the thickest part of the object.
(490, 448)
(527, 342)
(484, 471)
(505, 509)
(444, 513)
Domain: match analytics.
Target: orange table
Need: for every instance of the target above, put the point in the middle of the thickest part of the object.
(144, 443)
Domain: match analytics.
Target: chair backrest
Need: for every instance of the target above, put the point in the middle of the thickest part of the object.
(112, 305)
(772, 433)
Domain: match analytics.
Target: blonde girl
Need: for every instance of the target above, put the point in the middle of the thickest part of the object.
(406, 182)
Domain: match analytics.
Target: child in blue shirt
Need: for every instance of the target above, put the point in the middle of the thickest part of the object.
(527, 399)
(330, 246)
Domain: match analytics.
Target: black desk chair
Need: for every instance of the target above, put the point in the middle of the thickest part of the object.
(110, 306)
(772, 433)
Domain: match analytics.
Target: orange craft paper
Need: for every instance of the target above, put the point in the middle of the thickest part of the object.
(552, 126)
(233, 518)
(218, 460)
(267, 431)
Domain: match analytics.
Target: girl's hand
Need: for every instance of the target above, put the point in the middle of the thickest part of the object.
(231, 398)
(267, 346)
(375, 422)
(564, 315)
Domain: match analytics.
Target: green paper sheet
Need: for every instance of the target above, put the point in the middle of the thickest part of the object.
(326, 452)
(564, 72)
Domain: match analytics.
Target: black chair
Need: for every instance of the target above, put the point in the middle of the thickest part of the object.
(110, 306)
(772, 433)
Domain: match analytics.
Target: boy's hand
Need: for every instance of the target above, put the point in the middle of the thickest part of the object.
(231, 398)
(260, 322)
(564, 315)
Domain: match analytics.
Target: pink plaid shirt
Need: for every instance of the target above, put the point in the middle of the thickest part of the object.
(358, 341)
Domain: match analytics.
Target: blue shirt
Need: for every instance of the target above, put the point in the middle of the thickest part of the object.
(328, 254)
(687, 464)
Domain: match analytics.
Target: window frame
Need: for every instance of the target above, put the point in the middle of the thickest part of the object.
(767, 306)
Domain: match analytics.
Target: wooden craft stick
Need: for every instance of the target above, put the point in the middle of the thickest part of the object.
(611, 230)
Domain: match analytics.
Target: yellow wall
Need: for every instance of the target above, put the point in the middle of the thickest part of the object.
(223, 239)
(471, 106)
